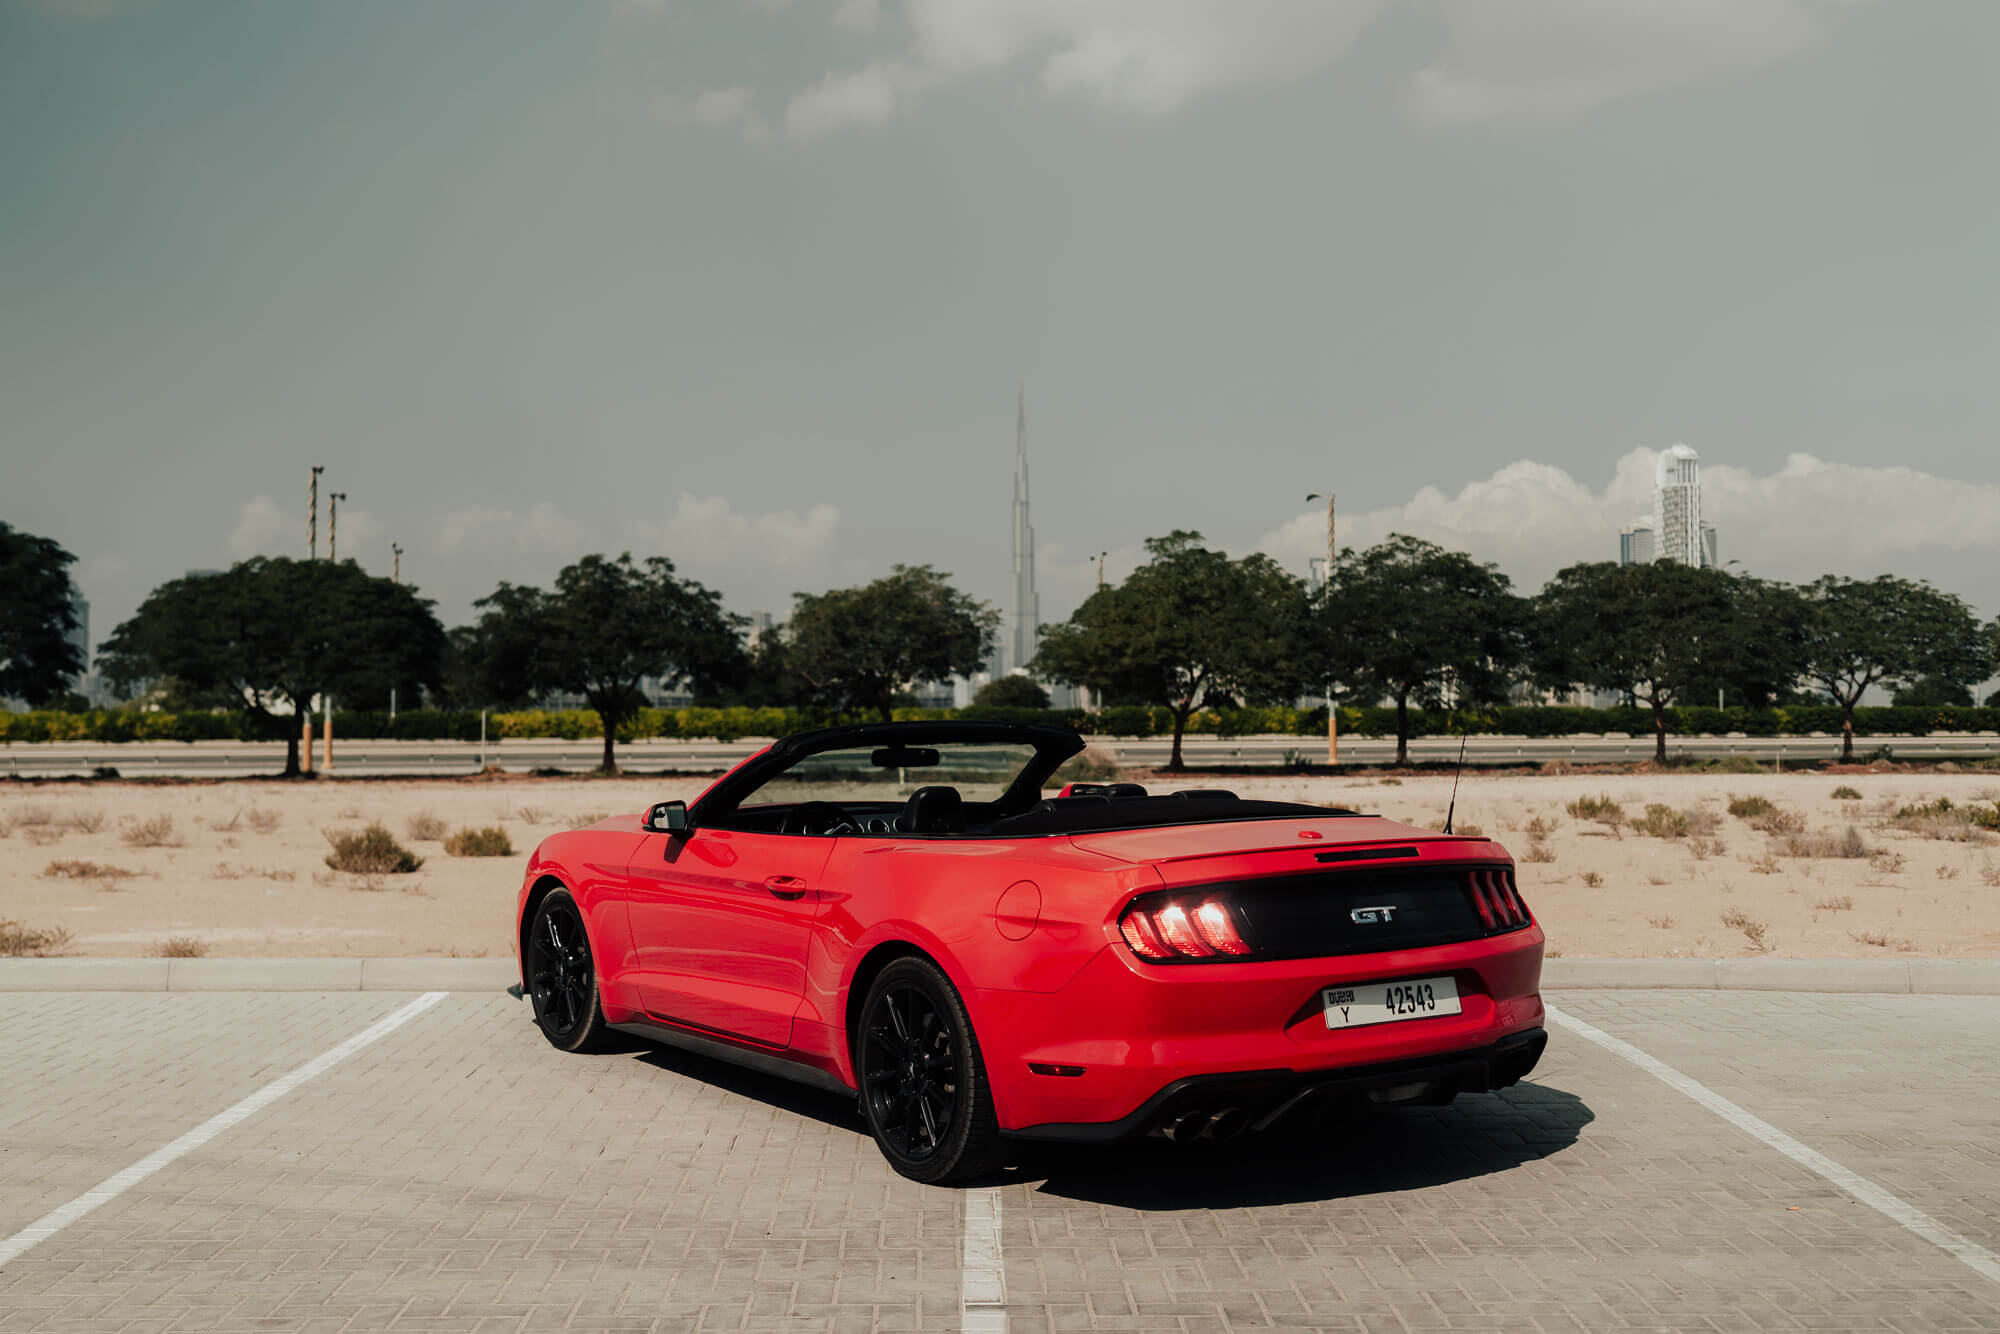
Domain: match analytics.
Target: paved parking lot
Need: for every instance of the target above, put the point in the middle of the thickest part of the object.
(458, 1174)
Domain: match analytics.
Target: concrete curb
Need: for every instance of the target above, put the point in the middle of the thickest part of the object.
(419, 974)
(1922, 977)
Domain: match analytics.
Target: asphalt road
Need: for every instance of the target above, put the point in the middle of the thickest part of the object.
(1823, 1162)
(228, 759)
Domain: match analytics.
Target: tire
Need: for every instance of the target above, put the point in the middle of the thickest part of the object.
(924, 1092)
(560, 972)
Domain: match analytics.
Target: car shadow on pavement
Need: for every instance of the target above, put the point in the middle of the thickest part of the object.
(830, 1109)
(1370, 1152)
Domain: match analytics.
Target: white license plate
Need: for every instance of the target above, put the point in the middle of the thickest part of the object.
(1389, 1002)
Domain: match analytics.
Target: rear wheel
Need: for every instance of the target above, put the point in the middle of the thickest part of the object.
(924, 1091)
(562, 976)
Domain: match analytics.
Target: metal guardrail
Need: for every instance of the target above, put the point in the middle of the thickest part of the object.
(230, 759)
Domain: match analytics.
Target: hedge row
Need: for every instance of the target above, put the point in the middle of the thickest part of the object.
(729, 724)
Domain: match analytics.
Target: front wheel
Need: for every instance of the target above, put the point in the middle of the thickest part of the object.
(562, 976)
(924, 1091)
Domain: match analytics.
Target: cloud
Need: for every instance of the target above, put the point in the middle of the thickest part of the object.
(1523, 63)
(708, 537)
(1539, 63)
(262, 529)
(483, 531)
(1811, 517)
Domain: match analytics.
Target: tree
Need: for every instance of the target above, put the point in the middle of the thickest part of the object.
(1654, 632)
(1418, 624)
(1933, 692)
(604, 628)
(1188, 629)
(1011, 692)
(1860, 632)
(857, 647)
(271, 635)
(37, 659)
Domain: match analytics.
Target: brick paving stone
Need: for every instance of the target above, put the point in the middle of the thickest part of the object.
(460, 1175)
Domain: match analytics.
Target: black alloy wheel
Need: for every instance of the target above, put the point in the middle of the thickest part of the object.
(923, 1086)
(562, 976)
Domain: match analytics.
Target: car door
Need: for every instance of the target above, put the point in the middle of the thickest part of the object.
(720, 923)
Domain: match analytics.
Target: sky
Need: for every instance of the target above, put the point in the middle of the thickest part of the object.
(753, 285)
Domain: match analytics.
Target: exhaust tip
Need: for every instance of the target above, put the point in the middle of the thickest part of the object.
(1226, 1124)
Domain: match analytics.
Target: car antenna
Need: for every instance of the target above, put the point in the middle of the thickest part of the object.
(1449, 810)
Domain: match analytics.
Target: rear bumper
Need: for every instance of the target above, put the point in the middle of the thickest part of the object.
(1125, 1042)
(1202, 1105)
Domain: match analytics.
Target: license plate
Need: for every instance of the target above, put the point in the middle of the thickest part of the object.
(1389, 1002)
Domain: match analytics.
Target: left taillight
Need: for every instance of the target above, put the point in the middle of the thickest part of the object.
(1207, 929)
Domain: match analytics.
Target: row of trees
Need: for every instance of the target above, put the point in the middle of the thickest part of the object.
(1191, 630)
(1414, 624)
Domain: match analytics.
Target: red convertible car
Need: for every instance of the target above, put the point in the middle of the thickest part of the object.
(897, 912)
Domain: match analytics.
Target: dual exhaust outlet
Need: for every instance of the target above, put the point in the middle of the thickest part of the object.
(1188, 1127)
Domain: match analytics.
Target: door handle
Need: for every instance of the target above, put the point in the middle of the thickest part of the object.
(786, 886)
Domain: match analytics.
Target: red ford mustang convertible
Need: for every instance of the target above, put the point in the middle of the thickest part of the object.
(897, 911)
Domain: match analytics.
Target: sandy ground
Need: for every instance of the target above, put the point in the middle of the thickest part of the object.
(242, 868)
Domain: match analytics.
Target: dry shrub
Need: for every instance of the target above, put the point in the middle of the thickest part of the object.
(1846, 844)
(1947, 873)
(533, 815)
(41, 835)
(1538, 852)
(85, 822)
(1592, 879)
(1941, 819)
(83, 870)
(18, 940)
(263, 821)
(1765, 865)
(231, 871)
(1881, 940)
(1703, 847)
(491, 841)
(1752, 929)
(1087, 766)
(1663, 923)
(1600, 809)
(1389, 782)
(426, 827)
(1990, 875)
(1886, 861)
(1846, 793)
(1749, 808)
(1661, 821)
(158, 832)
(228, 826)
(180, 947)
(1540, 828)
(585, 819)
(30, 817)
(373, 851)
(1839, 903)
(1469, 830)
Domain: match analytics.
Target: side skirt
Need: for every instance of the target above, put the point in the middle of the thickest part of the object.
(764, 1063)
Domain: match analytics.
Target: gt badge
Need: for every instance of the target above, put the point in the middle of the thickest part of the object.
(1369, 916)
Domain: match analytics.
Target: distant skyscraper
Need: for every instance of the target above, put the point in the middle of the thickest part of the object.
(1675, 531)
(1027, 625)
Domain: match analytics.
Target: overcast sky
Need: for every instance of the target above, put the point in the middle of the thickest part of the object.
(752, 285)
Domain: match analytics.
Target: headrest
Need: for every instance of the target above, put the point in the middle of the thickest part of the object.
(932, 810)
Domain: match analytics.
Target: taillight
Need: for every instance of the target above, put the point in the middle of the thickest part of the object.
(1498, 901)
(1203, 930)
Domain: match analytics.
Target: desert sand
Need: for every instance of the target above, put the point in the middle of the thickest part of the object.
(238, 868)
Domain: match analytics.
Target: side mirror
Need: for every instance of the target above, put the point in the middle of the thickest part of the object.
(668, 817)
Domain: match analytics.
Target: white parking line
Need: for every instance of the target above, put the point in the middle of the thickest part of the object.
(1975, 1256)
(119, 1182)
(982, 1287)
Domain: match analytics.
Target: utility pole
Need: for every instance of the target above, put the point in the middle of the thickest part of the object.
(395, 562)
(312, 513)
(1332, 719)
(333, 500)
(1100, 570)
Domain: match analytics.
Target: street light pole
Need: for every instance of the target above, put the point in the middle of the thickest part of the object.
(333, 500)
(1332, 721)
(312, 513)
(395, 562)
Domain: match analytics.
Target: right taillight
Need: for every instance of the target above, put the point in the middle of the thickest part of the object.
(1498, 901)
(1203, 929)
